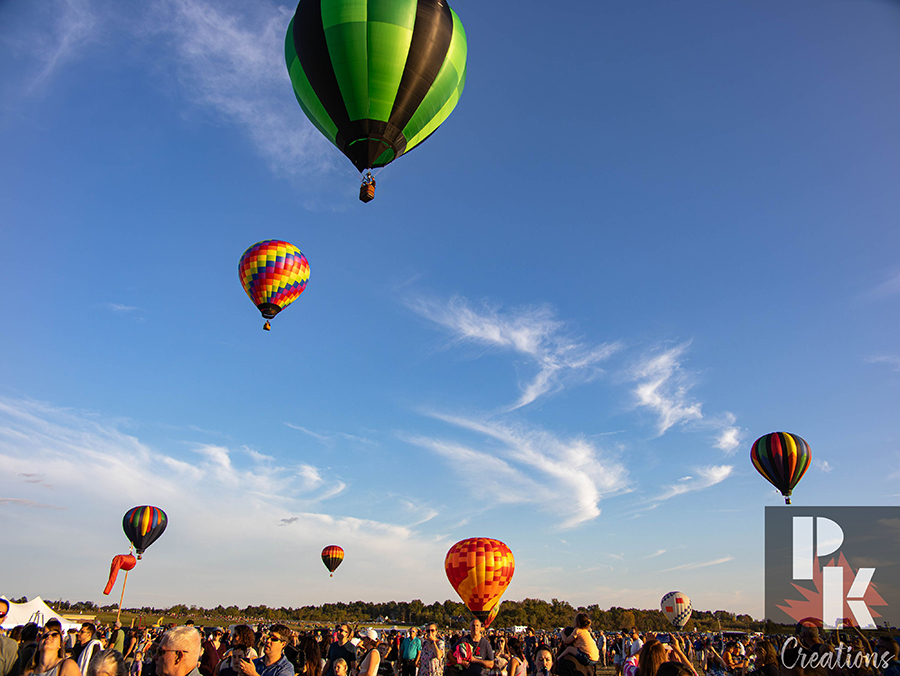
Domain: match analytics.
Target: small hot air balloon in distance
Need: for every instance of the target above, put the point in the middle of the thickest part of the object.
(332, 556)
(782, 458)
(480, 570)
(273, 273)
(676, 606)
(143, 525)
(377, 78)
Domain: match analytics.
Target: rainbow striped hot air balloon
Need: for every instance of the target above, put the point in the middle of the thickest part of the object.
(782, 458)
(143, 525)
(273, 273)
(480, 570)
(332, 556)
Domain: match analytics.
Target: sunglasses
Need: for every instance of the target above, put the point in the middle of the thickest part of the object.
(48, 634)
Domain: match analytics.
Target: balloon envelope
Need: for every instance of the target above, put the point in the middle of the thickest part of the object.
(143, 525)
(492, 615)
(273, 273)
(676, 606)
(480, 570)
(332, 556)
(376, 77)
(782, 458)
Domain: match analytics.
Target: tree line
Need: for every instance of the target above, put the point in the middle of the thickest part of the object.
(535, 613)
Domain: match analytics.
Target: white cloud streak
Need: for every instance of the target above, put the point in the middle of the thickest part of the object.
(565, 476)
(664, 388)
(707, 477)
(705, 564)
(533, 332)
(891, 360)
(72, 25)
(225, 506)
(890, 286)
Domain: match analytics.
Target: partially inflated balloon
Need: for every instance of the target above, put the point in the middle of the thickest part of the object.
(677, 608)
(332, 556)
(274, 274)
(480, 570)
(143, 526)
(376, 77)
(492, 615)
(782, 458)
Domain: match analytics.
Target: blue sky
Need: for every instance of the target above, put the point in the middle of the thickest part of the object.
(648, 234)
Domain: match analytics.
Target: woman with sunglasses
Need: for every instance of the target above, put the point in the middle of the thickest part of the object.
(50, 657)
(431, 661)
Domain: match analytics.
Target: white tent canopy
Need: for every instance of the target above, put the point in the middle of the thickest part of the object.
(34, 610)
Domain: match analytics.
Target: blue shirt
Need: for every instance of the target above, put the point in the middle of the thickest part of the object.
(410, 648)
(281, 668)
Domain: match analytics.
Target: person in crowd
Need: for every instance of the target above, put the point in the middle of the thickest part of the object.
(482, 659)
(312, 656)
(649, 659)
(273, 662)
(340, 667)
(636, 643)
(340, 648)
(179, 653)
(117, 638)
(543, 660)
(87, 646)
(368, 665)
(49, 658)
(672, 669)
(242, 638)
(766, 661)
(212, 652)
(137, 665)
(601, 645)
(517, 665)
(888, 647)
(530, 645)
(431, 660)
(71, 640)
(107, 663)
(501, 654)
(410, 650)
(28, 643)
(9, 647)
(734, 662)
(580, 642)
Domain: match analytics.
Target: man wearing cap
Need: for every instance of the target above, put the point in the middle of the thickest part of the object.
(341, 648)
(9, 649)
(212, 652)
(273, 662)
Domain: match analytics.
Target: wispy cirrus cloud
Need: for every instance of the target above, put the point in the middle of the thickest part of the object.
(230, 60)
(532, 331)
(706, 477)
(70, 26)
(118, 307)
(888, 286)
(891, 360)
(663, 387)
(329, 438)
(705, 564)
(225, 505)
(568, 477)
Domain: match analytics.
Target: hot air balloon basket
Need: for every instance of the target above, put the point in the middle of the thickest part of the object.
(367, 192)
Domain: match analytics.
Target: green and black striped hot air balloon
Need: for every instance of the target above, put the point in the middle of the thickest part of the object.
(782, 458)
(376, 77)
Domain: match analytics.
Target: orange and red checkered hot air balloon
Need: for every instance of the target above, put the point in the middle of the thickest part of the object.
(332, 556)
(480, 570)
(274, 274)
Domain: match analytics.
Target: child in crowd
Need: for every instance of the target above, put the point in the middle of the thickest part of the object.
(582, 645)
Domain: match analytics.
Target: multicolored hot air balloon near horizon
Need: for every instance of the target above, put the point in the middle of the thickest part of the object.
(332, 556)
(480, 570)
(376, 77)
(782, 458)
(143, 525)
(677, 608)
(273, 273)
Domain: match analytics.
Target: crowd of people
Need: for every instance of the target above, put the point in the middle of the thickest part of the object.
(277, 650)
